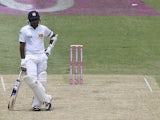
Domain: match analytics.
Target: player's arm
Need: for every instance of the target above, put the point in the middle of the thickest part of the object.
(22, 50)
(53, 40)
(22, 55)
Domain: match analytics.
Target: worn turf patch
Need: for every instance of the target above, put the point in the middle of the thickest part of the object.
(101, 97)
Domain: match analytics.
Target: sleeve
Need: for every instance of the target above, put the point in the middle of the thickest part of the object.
(21, 36)
(48, 32)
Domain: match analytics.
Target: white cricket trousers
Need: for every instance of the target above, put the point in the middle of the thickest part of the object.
(35, 65)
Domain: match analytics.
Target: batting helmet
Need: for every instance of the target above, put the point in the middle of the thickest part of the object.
(33, 15)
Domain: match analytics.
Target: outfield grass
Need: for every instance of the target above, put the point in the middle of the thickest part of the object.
(153, 3)
(112, 44)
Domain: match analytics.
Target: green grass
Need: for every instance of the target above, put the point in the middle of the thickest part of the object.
(112, 44)
(153, 3)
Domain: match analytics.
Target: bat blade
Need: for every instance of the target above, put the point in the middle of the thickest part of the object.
(14, 95)
(11, 103)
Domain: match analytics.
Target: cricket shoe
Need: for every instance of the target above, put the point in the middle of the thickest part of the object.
(49, 105)
(36, 108)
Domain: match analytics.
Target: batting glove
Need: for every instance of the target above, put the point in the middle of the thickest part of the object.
(23, 65)
(49, 49)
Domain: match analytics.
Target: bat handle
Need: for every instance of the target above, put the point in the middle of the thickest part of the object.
(20, 74)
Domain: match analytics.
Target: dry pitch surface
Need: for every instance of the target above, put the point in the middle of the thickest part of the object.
(101, 97)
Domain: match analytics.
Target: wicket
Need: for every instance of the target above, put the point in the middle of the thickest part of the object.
(74, 63)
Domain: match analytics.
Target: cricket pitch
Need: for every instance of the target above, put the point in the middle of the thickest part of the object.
(101, 97)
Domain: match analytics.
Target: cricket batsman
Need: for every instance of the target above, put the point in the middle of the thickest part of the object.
(34, 58)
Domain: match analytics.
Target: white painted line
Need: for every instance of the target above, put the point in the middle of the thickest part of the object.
(2, 80)
(59, 6)
(15, 5)
(148, 85)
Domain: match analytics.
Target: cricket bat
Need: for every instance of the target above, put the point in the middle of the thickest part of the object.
(14, 92)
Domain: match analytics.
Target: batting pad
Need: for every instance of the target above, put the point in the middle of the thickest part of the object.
(42, 78)
(37, 88)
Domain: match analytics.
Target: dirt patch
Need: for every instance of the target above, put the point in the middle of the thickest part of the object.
(101, 97)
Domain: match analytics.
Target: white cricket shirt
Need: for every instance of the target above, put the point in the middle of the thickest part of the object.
(34, 38)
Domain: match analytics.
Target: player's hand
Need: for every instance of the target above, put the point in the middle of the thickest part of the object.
(23, 65)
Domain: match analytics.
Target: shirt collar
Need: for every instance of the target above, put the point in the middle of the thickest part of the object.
(32, 27)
